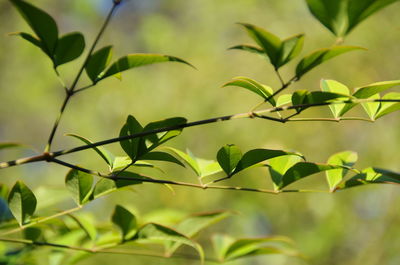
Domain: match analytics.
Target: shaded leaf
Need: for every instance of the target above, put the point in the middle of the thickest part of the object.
(69, 47)
(228, 157)
(126, 221)
(79, 185)
(10, 145)
(32, 233)
(136, 60)
(268, 42)
(135, 147)
(107, 185)
(161, 156)
(262, 90)
(86, 224)
(335, 176)
(302, 170)
(289, 49)
(30, 38)
(256, 156)
(371, 176)
(320, 56)
(41, 23)
(249, 48)
(22, 202)
(98, 62)
(341, 16)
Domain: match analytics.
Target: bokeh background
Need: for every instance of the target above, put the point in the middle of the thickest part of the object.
(355, 227)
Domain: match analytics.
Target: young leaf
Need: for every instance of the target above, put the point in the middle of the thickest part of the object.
(135, 147)
(156, 232)
(302, 170)
(161, 156)
(80, 185)
(289, 49)
(262, 90)
(158, 139)
(107, 185)
(22, 202)
(372, 108)
(101, 151)
(375, 88)
(371, 176)
(136, 60)
(126, 222)
(69, 47)
(341, 16)
(249, 48)
(335, 87)
(335, 176)
(279, 165)
(320, 56)
(41, 23)
(256, 156)
(389, 107)
(283, 100)
(228, 157)
(192, 225)
(270, 43)
(98, 62)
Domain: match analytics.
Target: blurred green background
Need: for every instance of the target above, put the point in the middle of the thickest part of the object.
(355, 227)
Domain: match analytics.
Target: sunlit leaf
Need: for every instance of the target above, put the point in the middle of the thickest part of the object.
(279, 165)
(289, 49)
(189, 160)
(22, 202)
(320, 56)
(86, 224)
(136, 60)
(371, 176)
(335, 87)
(389, 107)
(335, 176)
(249, 48)
(283, 100)
(228, 157)
(69, 47)
(79, 185)
(341, 16)
(302, 170)
(126, 221)
(41, 23)
(98, 62)
(267, 41)
(161, 156)
(372, 108)
(262, 90)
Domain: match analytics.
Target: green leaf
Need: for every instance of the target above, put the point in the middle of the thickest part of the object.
(158, 139)
(159, 233)
(372, 108)
(98, 62)
(341, 16)
(283, 100)
(107, 185)
(255, 156)
(389, 107)
(126, 221)
(221, 245)
(371, 176)
(10, 145)
(335, 87)
(136, 60)
(301, 170)
(32, 233)
(335, 176)
(320, 56)
(161, 156)
(228, 157)
(299, 97)
(3, 191)
(135, 147)
(86, 224)
(41, 23)
(30, 38)
(79, 185)
(188, 159)
(262, 90)
(192, 225)
(208, 167)
(101, 151)
(289, 49)
(303, 97)
(270, 43)
(249, 48)
(69, 47)
(279, 165)
(22, 202)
